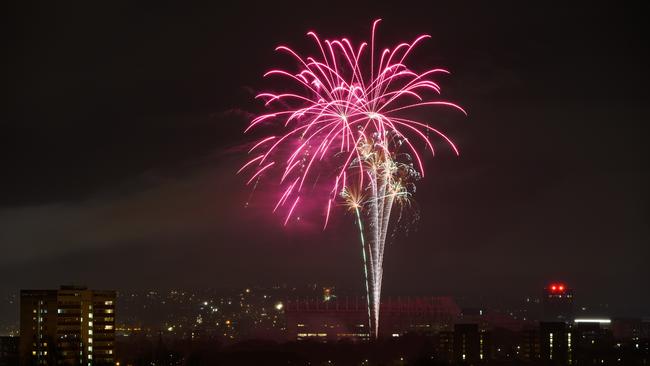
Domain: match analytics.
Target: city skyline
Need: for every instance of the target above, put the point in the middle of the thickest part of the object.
(312, 324)
(528, 308)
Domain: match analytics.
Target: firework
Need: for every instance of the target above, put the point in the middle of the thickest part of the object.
(346, 118)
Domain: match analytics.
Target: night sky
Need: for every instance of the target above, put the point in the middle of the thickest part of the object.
(124, 131)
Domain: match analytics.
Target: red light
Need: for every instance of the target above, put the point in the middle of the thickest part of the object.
(557, 287)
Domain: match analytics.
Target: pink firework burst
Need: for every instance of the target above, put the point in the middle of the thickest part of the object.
(334, 105)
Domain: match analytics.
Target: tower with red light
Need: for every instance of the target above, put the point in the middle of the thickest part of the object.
(557, 302)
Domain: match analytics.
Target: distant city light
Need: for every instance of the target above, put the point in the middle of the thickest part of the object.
(601, 321)
(279, 306)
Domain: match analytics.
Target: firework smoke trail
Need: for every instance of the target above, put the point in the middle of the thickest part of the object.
(365, 265)
(338, 115)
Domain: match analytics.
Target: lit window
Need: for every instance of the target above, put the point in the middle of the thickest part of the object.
(108, 327)
(108, 303)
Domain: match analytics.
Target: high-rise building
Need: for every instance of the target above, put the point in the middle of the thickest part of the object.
(443, 342)
(529, 345)
(38, 323)
(469, 343)
(69, 326)
(592, 336)
(557, 303)
(556, 343)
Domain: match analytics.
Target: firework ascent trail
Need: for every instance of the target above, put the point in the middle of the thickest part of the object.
(352, 126)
